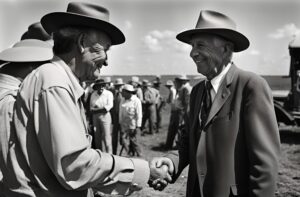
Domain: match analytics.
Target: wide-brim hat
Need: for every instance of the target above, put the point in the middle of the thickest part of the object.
(99, 83)
(119, 81)
(83, 14)
(30, 50)
(169, 83)
(219, 24)
(36, 31)
(129, 88)
(182, 78)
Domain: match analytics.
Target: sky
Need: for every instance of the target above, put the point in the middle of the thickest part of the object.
(150, 28)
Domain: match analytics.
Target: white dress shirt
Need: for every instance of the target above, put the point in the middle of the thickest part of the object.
(217, 81)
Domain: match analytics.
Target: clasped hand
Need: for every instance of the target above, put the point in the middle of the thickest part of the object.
(161, 170)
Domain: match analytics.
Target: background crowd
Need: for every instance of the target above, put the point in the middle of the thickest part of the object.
(116, 118)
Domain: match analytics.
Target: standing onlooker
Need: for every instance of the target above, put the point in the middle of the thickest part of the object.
(100, 106)
(174, 118)
(130, 117)
(181, 107)
(160, 103)
(109, 85)
(115, 113)
(149, 111)
(135, 82)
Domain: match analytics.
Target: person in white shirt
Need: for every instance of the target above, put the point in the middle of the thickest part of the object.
(100, 106)
(130, 118)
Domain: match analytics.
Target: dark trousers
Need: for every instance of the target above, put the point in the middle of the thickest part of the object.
(115, 137)
(149, 113)
(173, 129)
(129, 142)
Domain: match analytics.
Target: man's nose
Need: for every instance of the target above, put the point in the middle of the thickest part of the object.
(194, 53)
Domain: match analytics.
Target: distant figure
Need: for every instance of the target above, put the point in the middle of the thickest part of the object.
(232, 140)
(174, 115)
(160, 103)
(181, 107)
(137, 85)
(130, 117)
(149, 110)
(100, 105)
(115, 113)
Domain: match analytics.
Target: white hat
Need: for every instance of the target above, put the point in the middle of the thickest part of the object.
(29, 50)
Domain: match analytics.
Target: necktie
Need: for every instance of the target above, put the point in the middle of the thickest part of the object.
(206, 104)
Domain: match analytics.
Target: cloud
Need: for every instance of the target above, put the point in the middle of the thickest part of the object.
(254, 52)
(156, 41)
(289, 30)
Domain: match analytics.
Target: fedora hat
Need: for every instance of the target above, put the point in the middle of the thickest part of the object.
(182, 78)
(36, 31)
(169, 83)
(99, 83)
(119, 81)
(83, 14)
(30, 50)
(219, 24)
(129, 88)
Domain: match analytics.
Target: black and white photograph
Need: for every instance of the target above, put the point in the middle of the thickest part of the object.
(149, 98)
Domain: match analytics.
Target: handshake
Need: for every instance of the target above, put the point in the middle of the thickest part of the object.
(161, 171)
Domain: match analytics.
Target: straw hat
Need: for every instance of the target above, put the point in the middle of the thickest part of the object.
(129, 88)
(219, 24)
(83, 14)
(30, 50)
(169, 83)
(119, 81)
(182, 78)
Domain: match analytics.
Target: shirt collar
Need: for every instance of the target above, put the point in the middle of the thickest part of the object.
(217, 80)
(9, 82)
(78, 90)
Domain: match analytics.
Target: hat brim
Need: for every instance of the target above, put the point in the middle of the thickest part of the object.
(26, 54)
(98, 85)
(240, 41)
(56, 20)
(130, 91)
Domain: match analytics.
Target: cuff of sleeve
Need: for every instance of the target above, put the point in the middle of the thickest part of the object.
(107, 162)
(141, 172)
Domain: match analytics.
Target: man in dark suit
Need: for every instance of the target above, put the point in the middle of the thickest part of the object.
(232, 141)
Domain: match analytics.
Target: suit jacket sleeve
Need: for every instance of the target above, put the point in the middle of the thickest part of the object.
(180, 158)
(262, 137)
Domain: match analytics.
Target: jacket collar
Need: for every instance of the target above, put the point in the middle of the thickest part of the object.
(76, 87)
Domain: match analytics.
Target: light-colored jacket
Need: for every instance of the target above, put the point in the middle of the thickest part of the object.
(52, 133)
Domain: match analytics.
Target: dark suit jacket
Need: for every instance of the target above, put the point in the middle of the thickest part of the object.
(237, 153)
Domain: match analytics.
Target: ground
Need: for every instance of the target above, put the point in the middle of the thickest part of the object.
(289, 167)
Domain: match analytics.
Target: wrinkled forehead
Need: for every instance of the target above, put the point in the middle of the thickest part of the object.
(98, 36)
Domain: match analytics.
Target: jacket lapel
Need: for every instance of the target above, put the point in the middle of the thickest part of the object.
(197, 104)
(222, 95)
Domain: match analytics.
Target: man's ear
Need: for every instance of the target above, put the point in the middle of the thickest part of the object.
(80, 42)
